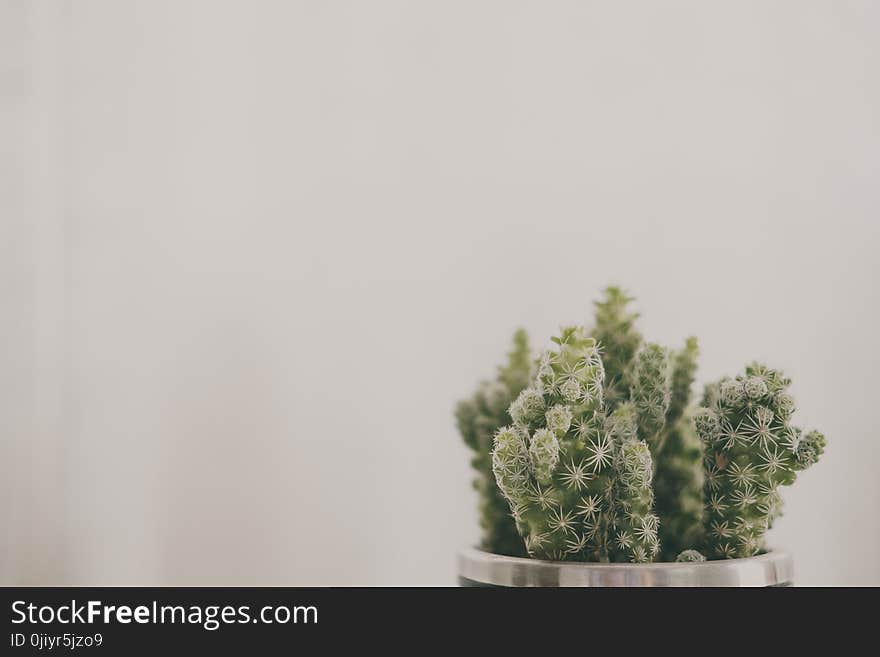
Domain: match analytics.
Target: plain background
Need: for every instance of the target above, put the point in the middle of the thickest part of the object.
(251, 253)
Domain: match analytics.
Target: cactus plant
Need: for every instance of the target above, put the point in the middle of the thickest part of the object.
(678, 477)
(650, 392)
(600, 455)
(478, 418)
(649, 375)
(633, 527)
(690, 556)
(684, 370)
(659, 382)
(751, 449)
(618, 339)
(578, 482)
(678, 490)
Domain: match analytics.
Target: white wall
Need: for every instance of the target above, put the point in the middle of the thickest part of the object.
(255, 251)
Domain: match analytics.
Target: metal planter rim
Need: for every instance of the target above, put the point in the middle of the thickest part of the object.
(476, 567)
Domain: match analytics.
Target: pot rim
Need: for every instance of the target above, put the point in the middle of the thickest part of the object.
(773, 568)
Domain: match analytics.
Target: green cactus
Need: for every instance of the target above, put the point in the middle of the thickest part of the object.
(678, 489)
(637, 372)
(684, 370)
(602, 441)
(678, 476)
(659, 384)
(478, 418)
(572, 477)
(633, 532)
(650, 392)
(750, 450)
(618, 340)
(690, 556)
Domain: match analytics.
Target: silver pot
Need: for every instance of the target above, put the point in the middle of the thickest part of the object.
(478, 568)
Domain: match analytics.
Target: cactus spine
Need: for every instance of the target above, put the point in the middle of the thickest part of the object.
(571, 478)
(478, 418)
(751, 448)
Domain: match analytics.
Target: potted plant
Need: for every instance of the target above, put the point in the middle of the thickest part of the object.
(595, 468)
